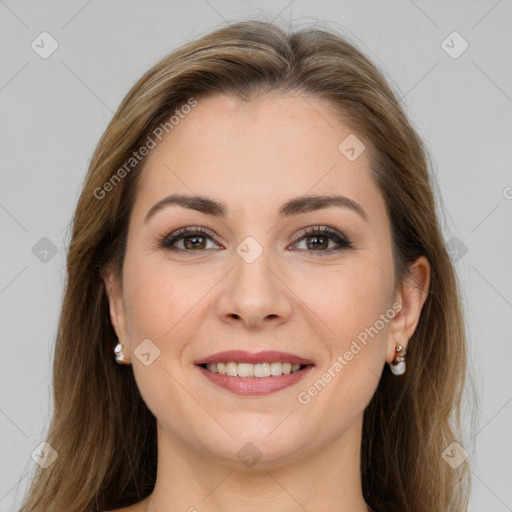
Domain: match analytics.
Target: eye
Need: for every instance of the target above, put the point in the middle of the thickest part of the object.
(320, 239)
(191, 239)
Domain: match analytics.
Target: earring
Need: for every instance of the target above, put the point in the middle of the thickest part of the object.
(119, 354)
(397, 366)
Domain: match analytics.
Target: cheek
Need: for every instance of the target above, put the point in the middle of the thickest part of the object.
(354, 303)
(159, 296)
(347, 298)
(159, 307)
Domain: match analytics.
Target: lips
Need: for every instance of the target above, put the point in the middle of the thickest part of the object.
(257, 384)
(242, 356)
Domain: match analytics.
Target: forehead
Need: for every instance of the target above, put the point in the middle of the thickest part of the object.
(254, 154)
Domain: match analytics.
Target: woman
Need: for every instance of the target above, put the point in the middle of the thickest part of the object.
(256, 238)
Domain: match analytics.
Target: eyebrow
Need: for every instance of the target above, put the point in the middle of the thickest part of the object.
(295, 206)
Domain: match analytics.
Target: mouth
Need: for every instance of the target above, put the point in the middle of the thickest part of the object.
(255, 371)
(244, 373)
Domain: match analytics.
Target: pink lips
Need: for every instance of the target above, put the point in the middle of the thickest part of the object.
(241, 356)
(251, 386)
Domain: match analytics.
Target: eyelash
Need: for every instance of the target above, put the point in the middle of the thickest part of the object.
(323, 231)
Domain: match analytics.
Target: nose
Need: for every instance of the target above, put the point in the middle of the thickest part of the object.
(255, 294)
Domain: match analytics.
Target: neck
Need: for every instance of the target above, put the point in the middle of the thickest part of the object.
(192, 479)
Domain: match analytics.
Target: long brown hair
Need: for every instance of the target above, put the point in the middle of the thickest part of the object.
(101, 428)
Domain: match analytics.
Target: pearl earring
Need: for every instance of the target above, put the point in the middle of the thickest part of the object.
(119, 354)
(397, 366)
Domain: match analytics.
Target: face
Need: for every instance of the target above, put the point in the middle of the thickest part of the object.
(307, 281)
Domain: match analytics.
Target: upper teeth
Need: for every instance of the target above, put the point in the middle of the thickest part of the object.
(253, 370)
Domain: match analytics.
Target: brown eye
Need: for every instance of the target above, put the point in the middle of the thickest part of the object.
(194, 242)
(319, 239)
(191, 240)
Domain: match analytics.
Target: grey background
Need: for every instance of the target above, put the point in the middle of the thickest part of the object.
(54, 110)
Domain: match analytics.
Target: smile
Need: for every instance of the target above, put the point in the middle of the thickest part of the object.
(253, 370)
(262, 381)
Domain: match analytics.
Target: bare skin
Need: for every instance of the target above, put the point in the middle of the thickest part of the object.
(300, 295)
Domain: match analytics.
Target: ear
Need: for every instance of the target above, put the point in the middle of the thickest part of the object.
(412, 295)
(114, 289)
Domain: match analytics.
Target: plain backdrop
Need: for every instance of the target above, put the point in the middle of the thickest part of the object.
(54, 109)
